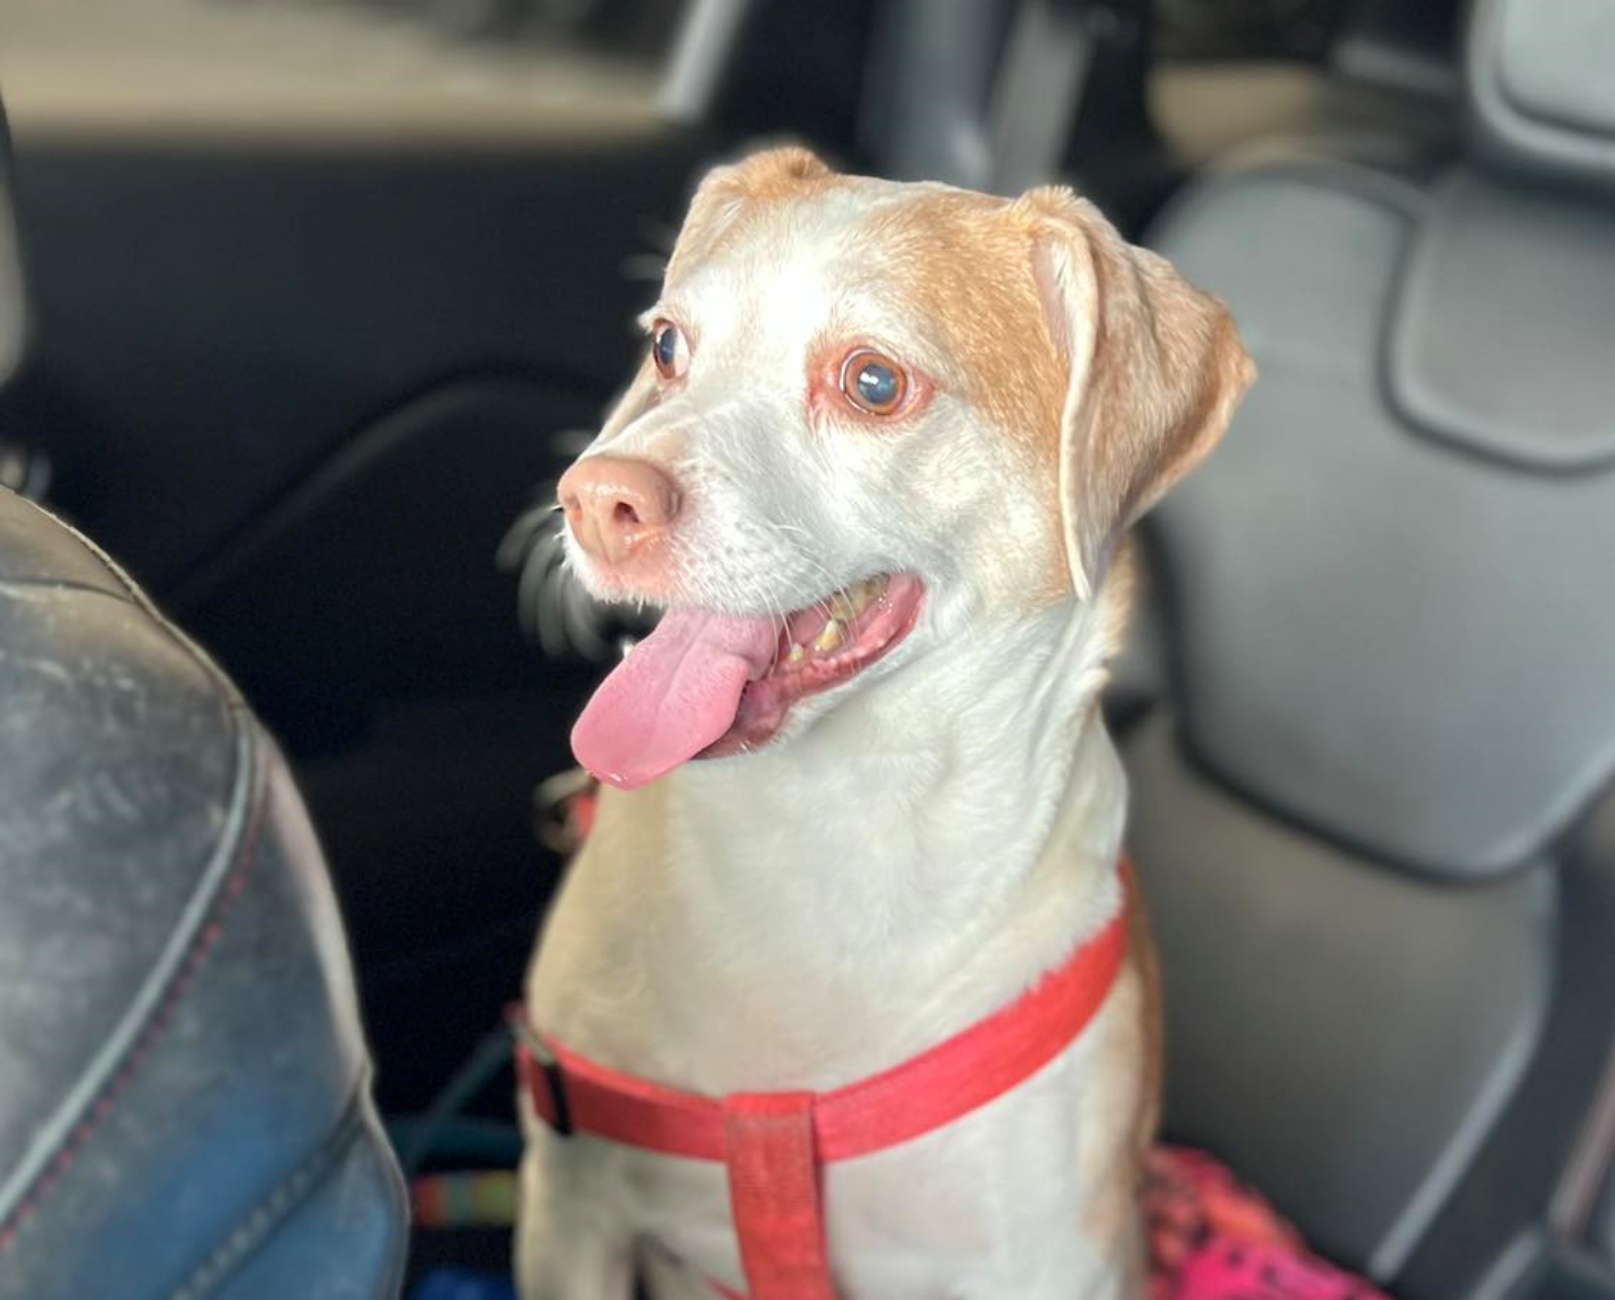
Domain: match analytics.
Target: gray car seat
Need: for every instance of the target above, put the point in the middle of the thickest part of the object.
(184, 1084)
(1375, 821)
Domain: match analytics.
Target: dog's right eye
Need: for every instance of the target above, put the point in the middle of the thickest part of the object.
(669, 350)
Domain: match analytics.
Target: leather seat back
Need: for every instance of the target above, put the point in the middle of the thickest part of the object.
(184, 1089)
(1376, 819)
(184, 1085)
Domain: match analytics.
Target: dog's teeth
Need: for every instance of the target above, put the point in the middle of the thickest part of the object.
(830, 638)
(845, 608)
(850, 603)
(796, 654)
(867, 592)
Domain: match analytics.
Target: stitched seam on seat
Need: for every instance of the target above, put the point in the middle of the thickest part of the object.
(283, 1199)
(95, 552)
(74, 585)
(203, 942)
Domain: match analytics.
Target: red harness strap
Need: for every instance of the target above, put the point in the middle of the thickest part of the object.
(774, 1144)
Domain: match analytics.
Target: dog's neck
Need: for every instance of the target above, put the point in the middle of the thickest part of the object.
(927, 847)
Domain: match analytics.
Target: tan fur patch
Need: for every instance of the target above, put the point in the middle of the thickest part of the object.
(1145, 960)
(1124, 1095)
(1165, 371)
(964, 267)
(730, 197)
(962, 264)
(780, 173)
(1117, 598)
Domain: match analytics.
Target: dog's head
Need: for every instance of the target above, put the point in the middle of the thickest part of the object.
(872, 418)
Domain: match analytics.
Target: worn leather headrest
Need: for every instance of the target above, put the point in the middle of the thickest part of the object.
(1541, 91)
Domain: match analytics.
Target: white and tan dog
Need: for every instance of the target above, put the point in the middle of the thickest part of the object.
(878, 468)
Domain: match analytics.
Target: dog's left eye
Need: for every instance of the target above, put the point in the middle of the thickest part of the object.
(873, 382)
(669, 350)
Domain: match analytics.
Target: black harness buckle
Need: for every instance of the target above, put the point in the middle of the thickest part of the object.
(532, 1054)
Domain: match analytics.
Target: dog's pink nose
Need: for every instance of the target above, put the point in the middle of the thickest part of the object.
(615, 505)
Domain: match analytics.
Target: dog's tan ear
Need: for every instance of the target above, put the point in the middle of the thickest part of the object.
(1154, 370)
(726, 191)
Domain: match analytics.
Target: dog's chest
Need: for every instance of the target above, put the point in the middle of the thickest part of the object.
(996, 1203)
(723, 975)
(765, 972)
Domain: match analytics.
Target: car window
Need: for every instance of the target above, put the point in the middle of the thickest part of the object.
(382, 65)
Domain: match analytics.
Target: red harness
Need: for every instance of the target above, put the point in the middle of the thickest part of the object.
(774, 1144)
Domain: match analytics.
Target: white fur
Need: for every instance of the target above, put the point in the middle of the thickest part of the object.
(923, 843)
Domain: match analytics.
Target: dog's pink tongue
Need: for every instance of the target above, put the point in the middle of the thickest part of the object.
(676, 692)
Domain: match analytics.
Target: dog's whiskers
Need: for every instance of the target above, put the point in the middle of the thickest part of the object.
(800, 554)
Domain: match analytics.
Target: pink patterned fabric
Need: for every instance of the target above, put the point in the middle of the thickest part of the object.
(1212, 1238)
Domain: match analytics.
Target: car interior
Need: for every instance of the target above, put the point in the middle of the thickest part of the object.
(286, 662)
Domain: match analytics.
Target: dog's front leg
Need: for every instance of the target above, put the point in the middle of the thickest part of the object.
(570, 1242)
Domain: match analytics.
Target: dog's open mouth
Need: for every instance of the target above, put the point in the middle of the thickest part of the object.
(704, 685)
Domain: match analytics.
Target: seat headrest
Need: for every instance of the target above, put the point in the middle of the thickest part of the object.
(1541, 93)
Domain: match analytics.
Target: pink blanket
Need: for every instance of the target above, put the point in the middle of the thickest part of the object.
(1212, 1238)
